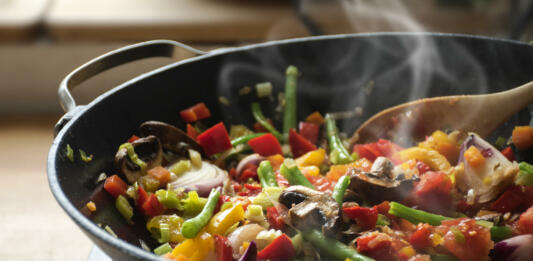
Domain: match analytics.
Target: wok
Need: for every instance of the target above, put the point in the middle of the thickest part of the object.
(339, 73)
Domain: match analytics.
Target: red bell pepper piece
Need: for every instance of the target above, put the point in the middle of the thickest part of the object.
(191, 131)
(195, 113)
(280, 249)
(433, 192)
(152, 206)
(274, 218)
(115, 186)
(508, 153)
(508, 201)
(420, 238)
(365, 217)
(309, 131)
(133, 138)
(250, 171)
(223, 248)
(265, 145)
(299, 145)
(215, 139)
(142, 196)
(369, 151)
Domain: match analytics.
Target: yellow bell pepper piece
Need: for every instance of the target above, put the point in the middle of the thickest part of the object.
(312, 158)
(276, 161)
(443, 143)
(337, 171)
(430, 157)
(310, 171)
(186, 248)
(196, 249)
(225, 219)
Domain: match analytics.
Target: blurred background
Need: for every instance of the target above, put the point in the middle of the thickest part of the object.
(41, 41)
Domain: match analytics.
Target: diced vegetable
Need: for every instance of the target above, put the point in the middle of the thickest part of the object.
(266, 175)
(315, 118)
(223, 249)
(265, 145)
(152, 206)
(260, 118)
(84, 156)
(280, 248)
(246, 138)
(196, 158)
(214, 139)
(195, 113)
(309, 131)
(430, 157)
(337, 152)
(499, 233)
(263, 89)
(250, 254)
(193, 204)
(115, 186)
(70, 153)
(160, 173)
(123, 206)
(312, 158)
(168, 198)
(299, 145)
(525, 176)
(274, 218)
(522, 137)
(91, 206)
(133, 156)
(163, 249)
(366, 218)
(525, 223)
(192, 226)
(223, 220)
(415, 216)
(291, 84)
(180, 167)
(474, 157)
(508, 153)
(191, 131)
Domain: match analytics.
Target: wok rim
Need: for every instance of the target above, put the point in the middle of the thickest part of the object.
(88, 226)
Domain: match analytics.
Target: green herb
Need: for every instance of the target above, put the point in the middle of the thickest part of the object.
(70, 153)
(84, 156)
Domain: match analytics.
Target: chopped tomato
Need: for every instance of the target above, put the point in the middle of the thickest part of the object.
(152, 207)
(133, 138)
(522, 137)
(160, 173)
(195, 113)
(265, 145)
(433, 192)
(215, 139)
(508, 201)
(299, 145)
(191, 131)
(420, 237)
(259, 128)
(366, 218)
(115, 186)
(376, 245)
(525, 223)
(274, 218)
(309, 131)
(508, 153)
(315, 118)
(466, 240)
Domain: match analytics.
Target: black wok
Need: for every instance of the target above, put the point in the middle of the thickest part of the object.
(373, 71)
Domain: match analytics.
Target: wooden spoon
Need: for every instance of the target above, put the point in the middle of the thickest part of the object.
(477, 113)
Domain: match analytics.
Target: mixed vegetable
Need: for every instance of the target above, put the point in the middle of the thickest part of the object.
(302, 194)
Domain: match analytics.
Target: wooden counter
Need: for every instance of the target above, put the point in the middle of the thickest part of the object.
(33, 225)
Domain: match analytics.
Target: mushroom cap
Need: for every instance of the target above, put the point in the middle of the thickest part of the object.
(171, 138)
(148, 149)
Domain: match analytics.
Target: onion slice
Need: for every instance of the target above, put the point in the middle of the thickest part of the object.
(202, 179)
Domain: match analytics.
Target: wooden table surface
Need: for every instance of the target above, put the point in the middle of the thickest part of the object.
(33, 225)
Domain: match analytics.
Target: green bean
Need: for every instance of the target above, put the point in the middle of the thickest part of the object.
(266, 174)
(259, 117)
(245, 138)
(415, 216)
(291, 85)
(191, 227)
(340, 188)
(499, 233)
(294, 176)
(332, 247)
(338, 153)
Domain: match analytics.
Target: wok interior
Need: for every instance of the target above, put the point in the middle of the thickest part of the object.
(338, 74)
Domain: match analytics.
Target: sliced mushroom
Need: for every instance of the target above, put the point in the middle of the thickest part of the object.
(383, 183)
(309, 208)
(148, 149)
(171, 138)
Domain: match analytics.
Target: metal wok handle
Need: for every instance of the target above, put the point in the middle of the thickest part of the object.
(155, 48)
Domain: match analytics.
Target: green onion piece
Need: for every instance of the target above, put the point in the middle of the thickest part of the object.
(133, 156)
(415, 216)
(340, 188)
(291, 85)
(382, 220)
(84, 156)
(259, 117)
(110, 231)
(459, 237)
(164, 231)
(192, 227)
(500, 142)
(124, 207)
(193, 204)
(264, 89)
(525, 176)
(70, 153)
(294, 176)
(168, 198)
(245, 139)
(163, 249)
(499, 233)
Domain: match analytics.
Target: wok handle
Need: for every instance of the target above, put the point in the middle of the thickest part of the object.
(155, 48)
